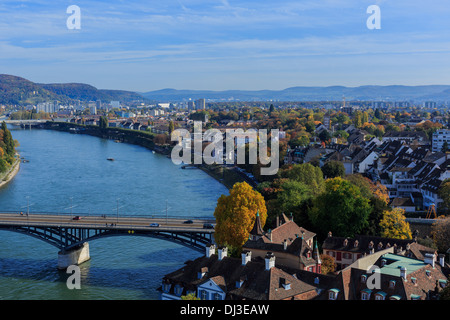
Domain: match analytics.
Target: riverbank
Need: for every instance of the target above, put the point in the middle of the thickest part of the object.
(11, 173)
(227, 176)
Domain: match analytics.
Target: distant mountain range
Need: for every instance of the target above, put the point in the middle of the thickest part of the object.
(20, 91)
(334, 93)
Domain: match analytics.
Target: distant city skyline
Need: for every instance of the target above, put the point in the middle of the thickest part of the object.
(226, 44)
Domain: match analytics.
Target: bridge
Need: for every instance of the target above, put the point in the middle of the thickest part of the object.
(19, 122)
(70, 233)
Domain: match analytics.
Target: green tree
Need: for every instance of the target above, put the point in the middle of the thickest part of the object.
(333, 169)
(171, 127)
(8, 140)
(444, 193)
(307, 174)
(445, 146)
(293, 198)
(103, 124)
(340, 209)
(324, 135)
(190, 296)
(445, 293)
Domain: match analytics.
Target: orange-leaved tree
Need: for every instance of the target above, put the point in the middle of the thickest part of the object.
(236, 213)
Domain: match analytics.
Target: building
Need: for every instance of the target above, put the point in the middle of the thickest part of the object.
(219, 277)
(292, 245)
(200, 104)
(388, 276)
(440, 137)
(346, 251)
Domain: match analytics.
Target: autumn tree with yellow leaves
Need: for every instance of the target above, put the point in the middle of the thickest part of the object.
(236, 213)
(393, 225)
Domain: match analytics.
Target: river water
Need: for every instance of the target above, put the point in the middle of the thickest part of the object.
(69, 173)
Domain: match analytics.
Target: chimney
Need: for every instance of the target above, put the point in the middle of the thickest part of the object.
(270, 260)
(222, 252)
(442, 260)
(246, 257)
(210, 250)
(285, 245)
(430, 258)
(403, 273)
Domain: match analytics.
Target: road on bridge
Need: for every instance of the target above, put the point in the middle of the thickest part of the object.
(110, 221)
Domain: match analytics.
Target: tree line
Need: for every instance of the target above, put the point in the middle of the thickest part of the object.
(7, 148)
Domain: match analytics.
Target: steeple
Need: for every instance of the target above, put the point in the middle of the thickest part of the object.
(257, 231)
(316, 254)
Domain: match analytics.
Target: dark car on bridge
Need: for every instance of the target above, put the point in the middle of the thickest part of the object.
(208, 226)
(76, 218)
(188, 222)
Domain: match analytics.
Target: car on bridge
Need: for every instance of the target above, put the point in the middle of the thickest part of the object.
(208, 226)
(76, 218)
(188, 222)
(154, 224)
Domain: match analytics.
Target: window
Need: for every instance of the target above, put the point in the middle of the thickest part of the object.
(391, 284)
(365, 294)
(333, 294)
(363, 278)
(217, 296)
(203, 295)
(380, 295)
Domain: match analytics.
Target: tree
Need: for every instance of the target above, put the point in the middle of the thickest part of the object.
(236, 213)
(308, 174)
(445, 146)
(393, 225)
(8, 141)
(440, 231)
(369, 188)
(445, 293)
(328, 264)
(293, 198)
(324, 135)
(340, 209)
(444, 193)
(333, 169)
(171, 127)
(190, 296)
(103, 124)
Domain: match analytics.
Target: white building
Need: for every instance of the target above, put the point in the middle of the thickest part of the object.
(439, 137)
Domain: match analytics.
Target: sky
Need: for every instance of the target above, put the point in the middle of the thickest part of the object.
(149, 45)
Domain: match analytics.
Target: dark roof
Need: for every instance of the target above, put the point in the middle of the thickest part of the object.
(361, 243)
(258, 283)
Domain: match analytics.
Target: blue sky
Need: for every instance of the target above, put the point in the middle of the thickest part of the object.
(226, 44)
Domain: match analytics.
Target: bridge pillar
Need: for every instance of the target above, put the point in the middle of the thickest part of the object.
(74, 256)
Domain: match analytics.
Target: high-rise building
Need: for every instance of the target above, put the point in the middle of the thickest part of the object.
(200, 104)
(439, 137)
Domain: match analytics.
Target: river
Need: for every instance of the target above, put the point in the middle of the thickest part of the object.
(70, 173)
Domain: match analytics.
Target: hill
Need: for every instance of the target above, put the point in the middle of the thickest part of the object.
(20, 91)
(332, 93)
